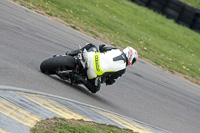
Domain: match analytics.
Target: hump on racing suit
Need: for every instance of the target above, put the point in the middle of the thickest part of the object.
(113, 63)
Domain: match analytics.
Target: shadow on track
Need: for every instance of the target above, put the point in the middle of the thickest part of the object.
(86, 92)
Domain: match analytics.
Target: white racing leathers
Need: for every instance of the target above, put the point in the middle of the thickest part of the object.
(99, 64)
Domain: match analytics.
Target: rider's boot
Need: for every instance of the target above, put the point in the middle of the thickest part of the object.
(88, 47)
(73, 53)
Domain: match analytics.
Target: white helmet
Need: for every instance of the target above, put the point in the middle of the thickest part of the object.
(131, 55)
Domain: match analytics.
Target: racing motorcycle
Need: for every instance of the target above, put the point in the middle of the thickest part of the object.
(67, 67)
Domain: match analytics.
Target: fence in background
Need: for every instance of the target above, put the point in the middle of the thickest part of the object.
(180, 12)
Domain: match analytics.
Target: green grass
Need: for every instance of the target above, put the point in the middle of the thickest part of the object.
(122, 22)
(61, 125)
(194, 3)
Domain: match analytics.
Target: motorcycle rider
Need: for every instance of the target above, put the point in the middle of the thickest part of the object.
(104, 66)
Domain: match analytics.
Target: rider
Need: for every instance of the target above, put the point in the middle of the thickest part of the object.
(104, 66)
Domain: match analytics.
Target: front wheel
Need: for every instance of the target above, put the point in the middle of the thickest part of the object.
(51, 65)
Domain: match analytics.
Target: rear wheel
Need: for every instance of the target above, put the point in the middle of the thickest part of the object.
(51, 65)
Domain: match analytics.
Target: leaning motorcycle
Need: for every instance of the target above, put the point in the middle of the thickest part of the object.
(66, 67)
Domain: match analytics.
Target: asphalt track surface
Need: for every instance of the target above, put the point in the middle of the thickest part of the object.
(145, 92)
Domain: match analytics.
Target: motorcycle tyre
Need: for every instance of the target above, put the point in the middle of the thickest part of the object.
(51, 65)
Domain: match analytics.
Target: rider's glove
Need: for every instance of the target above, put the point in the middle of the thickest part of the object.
(101, 47)
(110, 81)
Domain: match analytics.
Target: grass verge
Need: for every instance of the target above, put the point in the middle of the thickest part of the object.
(61, 125)
(194, 3)
(120, 22)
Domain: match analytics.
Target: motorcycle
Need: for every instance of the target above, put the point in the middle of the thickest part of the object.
(67, 67)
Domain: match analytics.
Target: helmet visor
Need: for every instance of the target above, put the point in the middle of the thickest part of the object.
(131, 56)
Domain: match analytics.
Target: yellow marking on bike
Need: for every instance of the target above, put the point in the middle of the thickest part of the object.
(3, 131)
(54, 106)
(18, 113)
(124, 122)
